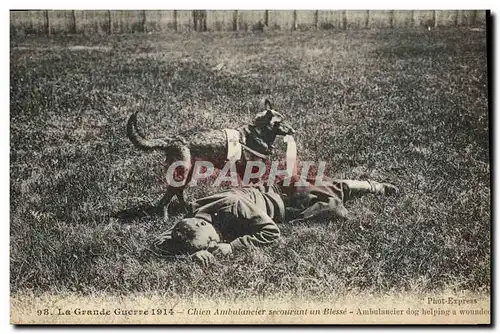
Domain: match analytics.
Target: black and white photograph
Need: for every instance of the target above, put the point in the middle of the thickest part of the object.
(250, 166)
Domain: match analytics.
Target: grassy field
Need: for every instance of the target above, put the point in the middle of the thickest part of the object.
(407, 107)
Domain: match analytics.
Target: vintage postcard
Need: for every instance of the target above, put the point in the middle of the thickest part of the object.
(249, 167)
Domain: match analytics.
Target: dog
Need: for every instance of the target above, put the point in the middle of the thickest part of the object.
(256, 141)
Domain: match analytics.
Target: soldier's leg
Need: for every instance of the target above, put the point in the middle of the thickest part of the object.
(334, 206)
(352, 188)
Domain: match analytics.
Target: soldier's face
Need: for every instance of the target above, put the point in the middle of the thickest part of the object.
(205, 234)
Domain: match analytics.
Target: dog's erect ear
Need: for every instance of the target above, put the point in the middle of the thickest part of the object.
(268, 113)
(266, 104)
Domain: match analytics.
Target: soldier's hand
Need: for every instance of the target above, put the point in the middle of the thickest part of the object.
(223, 249)
(204, 257)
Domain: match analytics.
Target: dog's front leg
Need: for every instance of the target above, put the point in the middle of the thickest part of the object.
(165, 202)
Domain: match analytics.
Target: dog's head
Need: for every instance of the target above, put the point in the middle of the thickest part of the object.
(271, 121)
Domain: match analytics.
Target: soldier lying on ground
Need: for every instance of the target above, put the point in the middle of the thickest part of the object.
(240, 218)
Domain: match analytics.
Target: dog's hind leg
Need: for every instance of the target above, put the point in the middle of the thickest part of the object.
(165, 201)
(179, 191)
(178, 177)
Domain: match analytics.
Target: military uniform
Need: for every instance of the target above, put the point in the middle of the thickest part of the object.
(244, 217)
(247, 217)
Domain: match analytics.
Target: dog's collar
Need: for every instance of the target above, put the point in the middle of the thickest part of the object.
(235, 142)
(233, 138)
(258, 154)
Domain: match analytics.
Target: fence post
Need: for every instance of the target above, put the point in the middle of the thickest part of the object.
(73, 27)
(109, 22)
(195, 20)
(144, 21)
(199, 20)
(175, 20)
(47, 24)
(235, 20)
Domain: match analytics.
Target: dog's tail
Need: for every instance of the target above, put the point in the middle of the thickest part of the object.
(138, 139)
